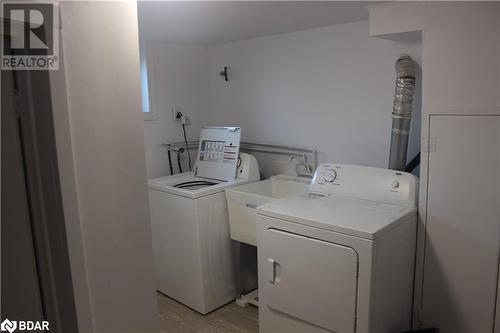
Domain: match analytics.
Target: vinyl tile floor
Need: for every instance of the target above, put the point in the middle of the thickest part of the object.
(178, 318)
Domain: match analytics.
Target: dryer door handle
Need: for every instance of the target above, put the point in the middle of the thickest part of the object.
(271, 271)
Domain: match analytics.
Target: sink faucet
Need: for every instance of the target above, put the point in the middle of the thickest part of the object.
(307, 170)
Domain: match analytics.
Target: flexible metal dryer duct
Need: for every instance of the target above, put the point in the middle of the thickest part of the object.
(406, 69)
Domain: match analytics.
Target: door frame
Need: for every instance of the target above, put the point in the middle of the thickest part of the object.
(33, 104)
(45, 199)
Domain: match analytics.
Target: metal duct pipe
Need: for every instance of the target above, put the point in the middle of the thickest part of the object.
(406, 69)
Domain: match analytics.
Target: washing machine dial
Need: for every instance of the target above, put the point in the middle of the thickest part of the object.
(330, 175)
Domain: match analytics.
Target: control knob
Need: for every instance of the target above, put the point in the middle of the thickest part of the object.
(330, 176)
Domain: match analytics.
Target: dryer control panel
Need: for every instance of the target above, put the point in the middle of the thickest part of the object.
(377, 184)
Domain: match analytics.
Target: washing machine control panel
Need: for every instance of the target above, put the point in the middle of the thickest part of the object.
(365, 182)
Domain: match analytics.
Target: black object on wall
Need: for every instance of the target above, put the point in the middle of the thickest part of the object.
(225, 73)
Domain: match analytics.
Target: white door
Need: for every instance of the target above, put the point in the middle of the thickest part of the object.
(463, 224)
(310, 279)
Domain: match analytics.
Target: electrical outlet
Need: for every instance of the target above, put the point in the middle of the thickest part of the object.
(177, 113)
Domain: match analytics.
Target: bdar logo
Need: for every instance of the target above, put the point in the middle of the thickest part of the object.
(24, 325)
(8, 326)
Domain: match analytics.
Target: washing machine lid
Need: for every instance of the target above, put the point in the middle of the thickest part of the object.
(218, 153)
(352, 216)
(201, 186)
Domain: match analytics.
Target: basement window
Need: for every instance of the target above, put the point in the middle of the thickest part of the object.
(145, 96)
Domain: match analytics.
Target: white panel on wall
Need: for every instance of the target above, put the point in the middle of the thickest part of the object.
(330, 88)
(462, 224)
(459, 56)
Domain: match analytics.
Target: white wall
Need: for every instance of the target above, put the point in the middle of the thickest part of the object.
(460, 59)
(99, 134)
(330, 88)
(178, 76)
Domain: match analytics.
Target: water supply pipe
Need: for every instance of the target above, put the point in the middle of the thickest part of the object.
(406, 69)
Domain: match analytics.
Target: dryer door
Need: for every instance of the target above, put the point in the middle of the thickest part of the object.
(310, 279)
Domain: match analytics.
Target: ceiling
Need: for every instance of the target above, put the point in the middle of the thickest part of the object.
(214, 22)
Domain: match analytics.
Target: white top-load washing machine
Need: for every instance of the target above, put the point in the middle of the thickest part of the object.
(340, 258)
(191, 242)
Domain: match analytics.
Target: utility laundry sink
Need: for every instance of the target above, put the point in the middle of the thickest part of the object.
(243, 200)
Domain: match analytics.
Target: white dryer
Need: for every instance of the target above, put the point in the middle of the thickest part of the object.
(340, 258)
(191, 241)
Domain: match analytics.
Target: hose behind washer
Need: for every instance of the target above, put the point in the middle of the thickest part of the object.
(187, 146)
(179, 162)
(170, 161)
